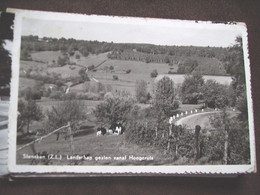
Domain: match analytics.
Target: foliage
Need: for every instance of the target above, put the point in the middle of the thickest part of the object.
(111, 68)
(25, 55)
(115, 77)
(91, 67)
(63, 60)
(188, 66)
(114, 108)
(28, 111)
(67, 111)
(83, 74)
(238, 138)
(190, 88)
(34, 93)
(77, 56)
(164, 98)
(242, 107)
(154, 73)
(215, 94)
(141, 91)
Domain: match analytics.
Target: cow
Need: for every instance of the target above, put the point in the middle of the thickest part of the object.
(119, 129)
(101, 131)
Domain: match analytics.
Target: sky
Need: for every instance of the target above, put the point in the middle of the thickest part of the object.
(132, 30)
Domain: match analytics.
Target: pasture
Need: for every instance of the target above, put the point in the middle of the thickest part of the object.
(25, 83)
(46, 56)
(47, 104)
(179, 78)
(103, 73)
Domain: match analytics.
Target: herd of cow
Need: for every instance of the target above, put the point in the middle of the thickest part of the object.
(115, 129)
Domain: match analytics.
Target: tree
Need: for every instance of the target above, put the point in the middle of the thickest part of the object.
(63, 60)
(25, 54)
(115, 77)
(67, 111)
(77, 56)
(188, 66)
(164, 98)
(28, 111)
(111, 68)
(154, 73)
(215, 94)
(190, 88)
(34, 93)
(234, 137)
(141, 91)
(83, 74)
(114, 108)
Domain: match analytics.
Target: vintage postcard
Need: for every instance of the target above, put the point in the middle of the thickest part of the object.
(120, 95)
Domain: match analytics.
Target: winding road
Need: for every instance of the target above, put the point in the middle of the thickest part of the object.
(201, 119)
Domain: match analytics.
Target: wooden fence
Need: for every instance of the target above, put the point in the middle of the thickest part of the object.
(69, 134)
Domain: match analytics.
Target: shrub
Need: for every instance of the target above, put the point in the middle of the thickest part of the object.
(68, 111)
(91, 67)
(77, 56)
(141, 91)
(154, 73)
(114, 108)
(57, 95)
(128, 71)
(115, 77)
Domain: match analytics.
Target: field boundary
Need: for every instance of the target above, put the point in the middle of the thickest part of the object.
(43, 137)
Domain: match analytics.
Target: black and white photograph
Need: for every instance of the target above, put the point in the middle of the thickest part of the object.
(121, 94)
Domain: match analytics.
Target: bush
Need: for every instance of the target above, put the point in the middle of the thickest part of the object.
(115, 77)
(91, 67)
(77, 56)
(141, 91)
(64, 112)
(32, 93)
(154, 73)
(57, 95)
(114, 108)
(25, 55)
(63, 60)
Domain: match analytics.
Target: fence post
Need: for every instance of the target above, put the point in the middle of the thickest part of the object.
(71, 139)
(169, 138)
(33, 149)
(197, 132)
(225, 157)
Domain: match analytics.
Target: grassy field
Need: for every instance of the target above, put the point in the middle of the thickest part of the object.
(46, 56)
(126, 82)
(179, 78)
(47, 104)
(25, 82)
(210, 65)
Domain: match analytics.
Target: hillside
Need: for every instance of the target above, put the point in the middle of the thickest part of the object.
(86, 53)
